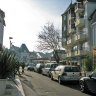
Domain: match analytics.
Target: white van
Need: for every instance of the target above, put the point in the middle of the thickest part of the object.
(65, 73)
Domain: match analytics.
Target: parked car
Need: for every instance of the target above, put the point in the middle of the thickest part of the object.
(64, 73)
(88, 84)
(35, 68)
(30, 67)
(39, 67)
(48, 67)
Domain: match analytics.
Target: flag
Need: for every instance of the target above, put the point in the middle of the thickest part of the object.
(10, 37)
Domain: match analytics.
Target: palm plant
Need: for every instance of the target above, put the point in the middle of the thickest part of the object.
(8, 63)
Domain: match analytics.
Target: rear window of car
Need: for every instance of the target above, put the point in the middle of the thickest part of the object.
(71, 69)
(54, 65)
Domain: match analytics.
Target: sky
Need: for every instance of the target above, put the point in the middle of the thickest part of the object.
(25, 19)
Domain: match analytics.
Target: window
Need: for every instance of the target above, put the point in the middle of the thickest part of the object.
(54, 65)
(75, 48)
(85, 46)
(57, 68)
(94, 74)
(69, 22)
(64, 28)
(64, 18)
(72, 69)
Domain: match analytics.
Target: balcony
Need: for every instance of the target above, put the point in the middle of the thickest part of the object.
(80, 52)
(77, 53)
(81, 37)
(79, 7)
(69, 54)
(71, 29)
(79, 22)
(72, 16)
(69, 41)
(84, 52)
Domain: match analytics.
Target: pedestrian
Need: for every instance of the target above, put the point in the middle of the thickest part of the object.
(17, 66)
(23, 66)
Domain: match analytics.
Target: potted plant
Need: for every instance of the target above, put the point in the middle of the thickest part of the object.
(8, 64)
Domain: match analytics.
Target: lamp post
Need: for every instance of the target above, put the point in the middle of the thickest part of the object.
(10, 41)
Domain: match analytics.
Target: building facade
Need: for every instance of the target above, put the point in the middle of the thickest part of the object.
(2, 24)
(77, 35)
(22, 53)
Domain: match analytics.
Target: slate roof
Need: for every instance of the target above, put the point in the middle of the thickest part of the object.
(24, 48)
(69, 7)
(87, 0)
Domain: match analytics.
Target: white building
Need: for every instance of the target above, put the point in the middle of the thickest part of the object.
(79, 39)
(22, 53)
(2, 24)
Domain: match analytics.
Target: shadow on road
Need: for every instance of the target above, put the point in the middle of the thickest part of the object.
(75, 85)
(26, 82)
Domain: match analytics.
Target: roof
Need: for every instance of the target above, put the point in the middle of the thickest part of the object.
(24, 48)
(90, 17)
(15, 48)
(87, 0)
(69, 7)
(2, 13)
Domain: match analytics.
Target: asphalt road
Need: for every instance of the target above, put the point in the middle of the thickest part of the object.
(35, 84)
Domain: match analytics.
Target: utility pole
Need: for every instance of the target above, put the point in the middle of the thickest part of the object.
(10, 38)
(71, 1)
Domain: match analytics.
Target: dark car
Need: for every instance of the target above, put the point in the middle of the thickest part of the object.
(39, 67)
(88, 84)
(30, 67)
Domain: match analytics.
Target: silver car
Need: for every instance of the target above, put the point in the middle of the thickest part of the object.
(64, 73)
(48, 67)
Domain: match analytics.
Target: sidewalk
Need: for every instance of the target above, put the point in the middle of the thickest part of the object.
(14, 88)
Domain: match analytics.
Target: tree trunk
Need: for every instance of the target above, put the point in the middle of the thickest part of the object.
(56, 56)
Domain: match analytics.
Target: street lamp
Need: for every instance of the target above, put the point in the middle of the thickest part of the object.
(10, 41)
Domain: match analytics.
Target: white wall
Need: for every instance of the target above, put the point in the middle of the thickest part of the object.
(89, 9)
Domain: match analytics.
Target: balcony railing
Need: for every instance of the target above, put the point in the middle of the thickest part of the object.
(69, 41)
(69, 54)
(79, 53)
(71, 28)
(81, 37)
(79, 22)
(79, 7)
(76, 53)
(72, 16)
(84, 52)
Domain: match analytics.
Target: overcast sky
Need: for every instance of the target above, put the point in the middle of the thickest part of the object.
(24, 19)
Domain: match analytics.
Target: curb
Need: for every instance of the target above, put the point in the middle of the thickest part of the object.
(19, 86)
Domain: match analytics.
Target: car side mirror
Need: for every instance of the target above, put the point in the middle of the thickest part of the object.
(90, 76)
(52, 70)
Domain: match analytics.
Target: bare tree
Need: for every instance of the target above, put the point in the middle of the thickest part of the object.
(49, 40)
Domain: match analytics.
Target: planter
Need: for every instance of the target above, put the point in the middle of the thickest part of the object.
(2, 86)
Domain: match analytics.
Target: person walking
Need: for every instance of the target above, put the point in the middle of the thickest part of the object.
(23, 66)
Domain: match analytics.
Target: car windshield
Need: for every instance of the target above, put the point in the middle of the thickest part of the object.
(71, 69)
(54, 65)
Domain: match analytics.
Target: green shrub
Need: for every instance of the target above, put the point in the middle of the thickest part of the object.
(8, 63)
(88, 64)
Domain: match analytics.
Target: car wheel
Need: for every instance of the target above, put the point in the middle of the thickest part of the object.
(59, 80)
(52, 77)
(83, 88)
(42, 72)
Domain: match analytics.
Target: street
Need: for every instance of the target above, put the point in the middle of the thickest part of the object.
(35, 84)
